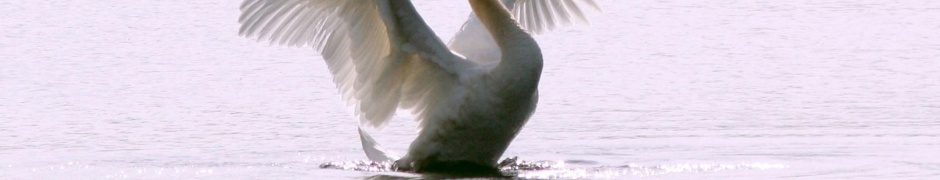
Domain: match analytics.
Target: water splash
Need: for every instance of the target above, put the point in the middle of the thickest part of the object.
(361, 166)
(513, 167)
(607, 172)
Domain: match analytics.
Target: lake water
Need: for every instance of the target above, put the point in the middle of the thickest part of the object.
(751, 89)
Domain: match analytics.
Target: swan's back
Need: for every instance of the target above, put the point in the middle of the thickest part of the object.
(485, 111)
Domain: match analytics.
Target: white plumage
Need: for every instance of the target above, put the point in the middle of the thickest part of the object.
(384, 57)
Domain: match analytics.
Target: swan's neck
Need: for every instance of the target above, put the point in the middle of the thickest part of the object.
(521, 56)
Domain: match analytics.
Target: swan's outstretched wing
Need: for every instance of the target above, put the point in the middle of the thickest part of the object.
(536, 16)
(370, 67)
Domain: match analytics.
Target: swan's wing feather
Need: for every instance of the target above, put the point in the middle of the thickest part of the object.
(536, 16)
(374, 151)
(368, 65)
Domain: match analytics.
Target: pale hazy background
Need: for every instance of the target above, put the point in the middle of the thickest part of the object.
(747, 89)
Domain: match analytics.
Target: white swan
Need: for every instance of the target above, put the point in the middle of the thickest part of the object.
(384, 57)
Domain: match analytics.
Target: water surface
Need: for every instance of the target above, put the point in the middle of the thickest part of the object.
(662, 89)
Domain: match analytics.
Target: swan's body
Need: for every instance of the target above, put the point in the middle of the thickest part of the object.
(384, 57)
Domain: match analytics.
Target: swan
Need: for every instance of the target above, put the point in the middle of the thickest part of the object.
(470, 99)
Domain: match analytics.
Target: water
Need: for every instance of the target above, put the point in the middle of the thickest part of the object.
(653, 89)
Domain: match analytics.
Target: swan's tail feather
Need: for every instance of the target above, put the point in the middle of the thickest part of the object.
(374, 151)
